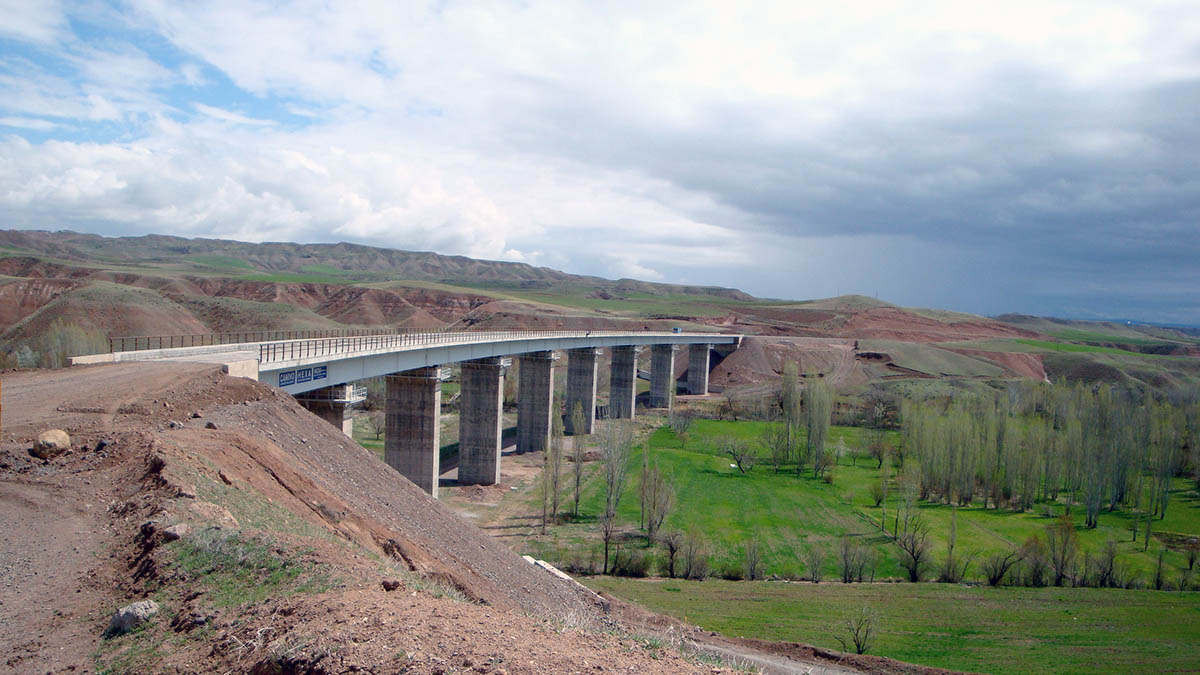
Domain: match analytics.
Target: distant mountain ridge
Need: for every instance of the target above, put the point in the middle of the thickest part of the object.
(355, 262)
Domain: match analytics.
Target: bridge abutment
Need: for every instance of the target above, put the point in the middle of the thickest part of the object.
(698, 360)
(662, 375)
(581, 388)
(479, 422)
(413, 437)
(535, 398)
(623, 382)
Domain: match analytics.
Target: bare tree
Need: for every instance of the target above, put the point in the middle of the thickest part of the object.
(1033, 553)
(673, 543)
(858, 630)
(997, 566)
(914, 548)
(953, 570)
(695, 557)
(680, 421)
(754, 562)
(375, 422)
(660, 496)
(854, 559)
(742, 452)
(1061, 548)
(1105, 567)
(775, 440)
(814, 560)
(616, 441)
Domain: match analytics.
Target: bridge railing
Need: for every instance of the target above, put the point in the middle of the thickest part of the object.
(303, 349)
(144, 342)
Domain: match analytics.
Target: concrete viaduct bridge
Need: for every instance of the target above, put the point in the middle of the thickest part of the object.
(320, 372)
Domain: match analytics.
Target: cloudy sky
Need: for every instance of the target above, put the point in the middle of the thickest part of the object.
(1039, 157)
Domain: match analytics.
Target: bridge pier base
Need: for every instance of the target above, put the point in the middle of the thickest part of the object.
(581, 389)
(413, 437)
(662, 375)
(697, 378)
(535, 399)
(480, 422)
(623, 382)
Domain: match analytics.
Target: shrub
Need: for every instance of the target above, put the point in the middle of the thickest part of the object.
(62, 341)
(630, 564)
(732, 571)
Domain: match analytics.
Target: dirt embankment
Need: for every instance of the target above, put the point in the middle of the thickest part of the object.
(760, 360)
(77, 542)
(894, 323)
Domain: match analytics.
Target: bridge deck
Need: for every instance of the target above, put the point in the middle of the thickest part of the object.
(302, 365)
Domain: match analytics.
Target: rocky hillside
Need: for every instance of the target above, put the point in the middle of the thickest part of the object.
(267, 541)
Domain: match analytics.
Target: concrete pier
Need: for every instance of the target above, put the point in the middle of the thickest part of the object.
(622, 386)
(535, 398)
(332, 404)
(479, 422)
(413, 437)
(581, 388)
(697, 377)
(662, 375)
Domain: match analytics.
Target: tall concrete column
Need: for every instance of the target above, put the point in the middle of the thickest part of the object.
(662, 375)
(413, 437)
(697, 379)
(581, 388)
(479, 422)
(623, 382)
(535, 398)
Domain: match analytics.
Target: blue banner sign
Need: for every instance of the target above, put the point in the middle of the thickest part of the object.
(290, 377)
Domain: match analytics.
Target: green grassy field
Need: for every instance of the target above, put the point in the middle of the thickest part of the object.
(996, 630)
(1070, 347)
(788, 512)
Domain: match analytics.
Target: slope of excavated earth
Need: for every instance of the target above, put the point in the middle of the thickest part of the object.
(156, 445)
(894, 323)
(760, 360)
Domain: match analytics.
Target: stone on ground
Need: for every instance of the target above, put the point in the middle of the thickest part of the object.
(130, 616)
(51, 444)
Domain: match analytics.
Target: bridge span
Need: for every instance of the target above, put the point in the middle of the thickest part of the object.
(320, 372)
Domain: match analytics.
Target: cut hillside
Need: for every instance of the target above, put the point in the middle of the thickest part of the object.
(291, 528)
(20, 298)
(111, 309)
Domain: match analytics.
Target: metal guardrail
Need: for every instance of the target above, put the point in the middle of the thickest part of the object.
(144, 342)
(303, 349)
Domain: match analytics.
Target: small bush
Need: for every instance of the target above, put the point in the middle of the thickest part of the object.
(732, 572)
(630, 564)
(877, 492)
(62, 341)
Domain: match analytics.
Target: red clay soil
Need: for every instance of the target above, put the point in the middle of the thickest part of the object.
(77, 544)
(22, 297)
(760, 360)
